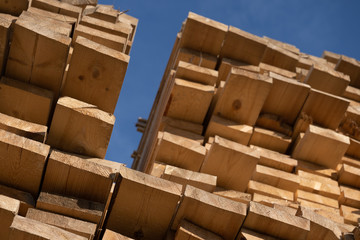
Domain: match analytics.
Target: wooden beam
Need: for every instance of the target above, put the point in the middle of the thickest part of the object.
(9, 208)
(25, 198)
(300, 194)
(354, 149)
(55, 16)
(233, 195)
(183, 133)
(198, 58)
(58, 7)
(308, 169)
(271, 140)
(81, 128)
(331, 57)
(251, 235)
(350, 197)
(226, 159)
(267, 69)
(349, 175)
(272, 201)
(194, 73)
(226, 65)
(324, 189)
(188, 230)
(6, 29)
(351, 215)
(221, 216)
(279, 57)
(268, 190)
(285, 46)
(110, 235)
(14, 7)
(143, 205)
(351, 67)
(101, 12)
(276, 223)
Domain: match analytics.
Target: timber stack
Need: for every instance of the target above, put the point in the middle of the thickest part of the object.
(62, 66)
(248, 138)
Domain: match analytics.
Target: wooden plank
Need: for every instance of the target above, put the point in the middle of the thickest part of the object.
(72, 225)
(29, 58)
(179, 151)
(194, 73)
(242, 46)
(354, 149)
(331, 57)
(352, 93)
(321, 146)
(14, 7)
(203, 34)
(304, 167)
(81, 3)
(180, 124)
(328, 80)
(272, 201)
(226, 65)
(25, 198)
(226, 159)
(286, 98)
(351, 161)
(351, 122)
(243, 96)
(319, 104)
(190, 231)
(349, 196)
(9, 208)
(351, 67)
(6, 28)
(58, 7)
(109, 40)
(28, 229)
(185, 177)
(276, 160)
(279, 57)
(183, 133)
(98, 78)
(25, 101)
(276, 223)
(22, 162)
(251, 235)
(80, 128)
(71, 207)
(304, 173)
(110, 235)
(351, 215)
(312, 197)
(228, 129)
(198, 58)
(301, 74)
(267, 69)
(285, 46)
(233, 195)
(104, 13)
(125, 18)
(52, 15)
(158, 169)
(275, 123)
(23, 128)
(268, 190)
(320, 227)
(143, 205)
(271, 140)
(324, 189)
(74, 175)
(349, 175)
(276, 178)
(221, 216)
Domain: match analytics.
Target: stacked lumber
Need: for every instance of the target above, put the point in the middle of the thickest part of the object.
(255, 131)
(60, 81)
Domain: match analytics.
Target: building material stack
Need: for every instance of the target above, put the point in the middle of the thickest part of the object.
(62, 65)
(260, 141)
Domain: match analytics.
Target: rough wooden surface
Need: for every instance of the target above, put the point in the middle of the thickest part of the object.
(6, 28)
(25, 198)
(196, 57)
(58, 7)
(271, 140)
(110, 235)
(316, 198)
(194, 73)
(350, 197)
(102, 12)
(226, 65)
(180, 124)
(351, 215)
(351, 67)
(14, 7)
(279, 57)
(233, 195)
(52, 15)
(9, 208)
(268, 190)
(349, 175)
(251, 235)
(190, 231)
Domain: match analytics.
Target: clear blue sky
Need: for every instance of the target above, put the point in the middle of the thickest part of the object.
(312, 26)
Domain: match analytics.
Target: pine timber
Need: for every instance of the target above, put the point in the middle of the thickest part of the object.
(301, 74)
(321, 146)
(194, 73)
(9, 208)
(226, 65)
(270, 140)
(226, 159)
(279, 57)
(271, 201)
(198, 58)
(183, 133)
(349, 175)
(266, 69)
(25, 198)
(350, 196)
(351, 215)
(275, 123)
(125, 18)
(14, 7)
(351, 161)
(331, 57)
(351, 67)
(308, 169)
(102, 12)
(190, 231)
(25, 101)
(58, 7)
(158, 169)
(180, 124)
(143, 205)
(243, 96)
(110, 235)
(22, 162)
(80, 3)
(6, 29)
(268, 190)
(78, 227)
(285, 46)
(316, 198)
(354, 149)
(98, 78)
(352, 93)
(251, 235)
(233, 195)
(324, 189)
(28, 229)
(60, 17)
(351, 122)
(71, 207)
(276, 223)
(209, 211)
(81, 128)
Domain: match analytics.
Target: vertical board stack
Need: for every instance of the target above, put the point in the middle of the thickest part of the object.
(262, 139)
(62, 65)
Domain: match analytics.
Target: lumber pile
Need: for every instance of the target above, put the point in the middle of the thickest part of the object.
(254, 131)
(62, 66)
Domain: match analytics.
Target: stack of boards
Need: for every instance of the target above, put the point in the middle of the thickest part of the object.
(62, 65)
(248, 138)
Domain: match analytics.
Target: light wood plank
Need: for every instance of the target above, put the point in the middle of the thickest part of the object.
(25, 198)
(194, 73)
(9, 208)
(190, 231)
(271, 140)
(268, 190)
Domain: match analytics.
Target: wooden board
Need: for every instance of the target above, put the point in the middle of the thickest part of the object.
(354, 149)
(183, 133)
(52, 15)
(180, 124)
(268, 190)
(71, 207)
(351, 122)
(267, 69)
(351, 215)
(286, 98)
(272, 201)
(279, 57)
(203, 34)
(351, 67)
(321, 146)
(352, 93)
(185, 177)
(190, 231)
(276, 178)
(98, 78)
(308, 169)
(226, 159)
(271, 140)
(81, 3)
(22, 162)
(80, 128)
(318, 105)
(110, 235)
(228, 129)
(275, 123)
(28, 229)
(349, 175)
(313, 176)
(324, 189)
(349, 196)
(74, 175)
(242, 46)
(189, 101)
(6, 28)
(198, 58)
(25, 198)
(125, 18)
(23, 128)
(251, 235)
(25, 101)
(286, 46)
(316, 198)
(331, 57)
(179, 151)
(226, 65)
(9, 208)
(219, 215)
(243, 96)
(194, 73)
(101, 12)
(109, 40)
(276, 223)
(233, 195)
(143, 205)
(14, 7)
(58, 7)
(326, 79)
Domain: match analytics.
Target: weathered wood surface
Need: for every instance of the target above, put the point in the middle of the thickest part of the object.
(9, 208)
(351, 67)
(194, 73)
(25, 198)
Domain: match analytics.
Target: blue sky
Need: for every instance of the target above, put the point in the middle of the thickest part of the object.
(312, 26)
